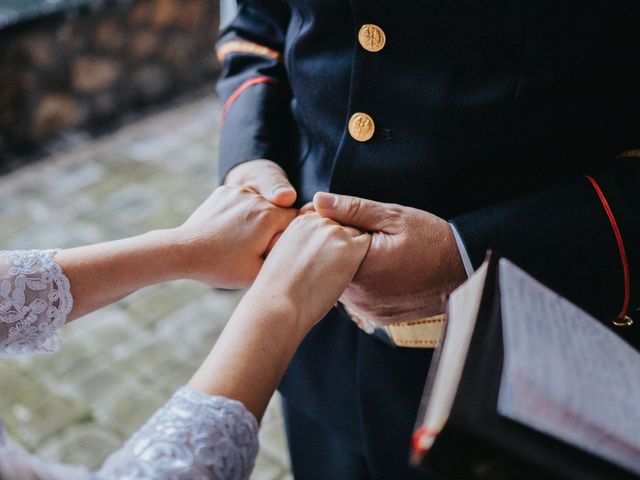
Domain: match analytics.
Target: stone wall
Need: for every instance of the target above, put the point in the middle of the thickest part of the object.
(90, 65)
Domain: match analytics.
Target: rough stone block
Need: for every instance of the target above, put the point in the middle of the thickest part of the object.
(54, 114)
(37, 49)
(194, 13)
(105, 104)
(109, 35)
(144, 43)
(165, 12)
(179, 54)
(140, 13)
(69, 38)
(150, 82)
(92, 74)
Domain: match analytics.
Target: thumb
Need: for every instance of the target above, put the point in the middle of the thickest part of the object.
(275, 187)
(353, 211)
(266, 178)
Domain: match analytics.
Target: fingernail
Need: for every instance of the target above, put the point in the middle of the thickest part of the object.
(280, 189)
(326, 200)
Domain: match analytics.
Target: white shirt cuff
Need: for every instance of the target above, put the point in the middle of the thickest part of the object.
(466, 261)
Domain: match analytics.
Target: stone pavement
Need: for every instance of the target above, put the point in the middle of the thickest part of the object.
(119, 364)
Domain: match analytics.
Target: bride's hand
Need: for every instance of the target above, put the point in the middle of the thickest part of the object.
(310, 267)
(304, 275)
(224, 241)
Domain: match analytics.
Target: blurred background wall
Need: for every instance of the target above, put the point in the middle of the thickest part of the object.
(89, 64)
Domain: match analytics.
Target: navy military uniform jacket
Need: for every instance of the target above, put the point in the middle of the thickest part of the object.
(517, 121)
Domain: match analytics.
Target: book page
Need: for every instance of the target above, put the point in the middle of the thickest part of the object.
(566, 374)
(462, 313)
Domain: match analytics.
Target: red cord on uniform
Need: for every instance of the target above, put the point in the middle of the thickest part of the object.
(234, 96)
(623, 253)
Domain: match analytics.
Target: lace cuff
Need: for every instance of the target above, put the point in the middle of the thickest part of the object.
(35, 301)
(193, 436)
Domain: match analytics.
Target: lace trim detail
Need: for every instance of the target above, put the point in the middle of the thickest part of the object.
(194, 436)
(35, 301)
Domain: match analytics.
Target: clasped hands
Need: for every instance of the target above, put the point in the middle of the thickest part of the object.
(412, 262)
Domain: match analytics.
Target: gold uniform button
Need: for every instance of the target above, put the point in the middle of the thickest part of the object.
(372, 38)
(361, 127)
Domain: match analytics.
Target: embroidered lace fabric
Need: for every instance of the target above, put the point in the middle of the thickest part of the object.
(35, 301)
(193, 436)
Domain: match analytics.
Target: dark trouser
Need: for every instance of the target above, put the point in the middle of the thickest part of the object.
(350, 404)
(319, 455)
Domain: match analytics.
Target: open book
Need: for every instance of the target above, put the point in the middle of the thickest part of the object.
(525, 385)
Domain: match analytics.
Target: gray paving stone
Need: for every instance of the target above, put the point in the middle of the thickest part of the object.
(42, 416)
(272, 438)
(85, 445)
(267, 469)
(147, 306)
(126, 410)
(73, 178)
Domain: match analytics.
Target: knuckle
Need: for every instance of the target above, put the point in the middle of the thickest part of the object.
(394, 214)
(231, 190)
(277, 177)
(335, 231)
(264, 213)
(325, 222)
(272, 166)
(354, 206)
(238, 175)
(300, 221)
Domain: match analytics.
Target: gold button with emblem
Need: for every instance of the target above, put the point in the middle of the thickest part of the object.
(372, 38)
(361, 127)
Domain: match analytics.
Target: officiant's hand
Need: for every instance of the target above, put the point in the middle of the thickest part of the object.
(266, 178)
(412, 264)
(224, 241)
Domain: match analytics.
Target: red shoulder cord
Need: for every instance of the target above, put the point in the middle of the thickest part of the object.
(623, 253)
(234, 96)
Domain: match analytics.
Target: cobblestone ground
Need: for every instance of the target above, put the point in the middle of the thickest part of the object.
(119, 364)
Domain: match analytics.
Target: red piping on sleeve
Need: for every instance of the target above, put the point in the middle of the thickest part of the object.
(623, 253)
(234, 96)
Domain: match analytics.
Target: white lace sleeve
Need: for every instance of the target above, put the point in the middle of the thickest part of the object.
(35, 301)
(193, 436)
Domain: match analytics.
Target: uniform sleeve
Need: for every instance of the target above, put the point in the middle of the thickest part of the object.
(193, 436)
(256, 119)
(580, 237)
(35, 301)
